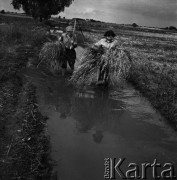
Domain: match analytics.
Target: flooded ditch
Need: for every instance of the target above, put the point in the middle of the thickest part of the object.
(86, 126)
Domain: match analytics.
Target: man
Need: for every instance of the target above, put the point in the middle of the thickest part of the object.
(108, 42)
(70, 42)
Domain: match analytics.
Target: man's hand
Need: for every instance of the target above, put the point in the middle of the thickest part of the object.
(114, 45)
(75, 45)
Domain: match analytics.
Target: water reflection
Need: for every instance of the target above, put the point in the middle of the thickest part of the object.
(98, 136)
(60, 99)
(93, 110)
(121, 112)
(102, 111)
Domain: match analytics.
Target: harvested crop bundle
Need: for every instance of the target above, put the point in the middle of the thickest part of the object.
(113, 65)
(53, 54)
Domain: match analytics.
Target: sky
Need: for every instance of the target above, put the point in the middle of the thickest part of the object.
(152, 13)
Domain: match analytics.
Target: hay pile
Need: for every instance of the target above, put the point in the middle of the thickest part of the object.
(52, 54)
(114, 64)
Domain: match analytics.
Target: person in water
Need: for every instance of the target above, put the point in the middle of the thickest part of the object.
(70, 42)
(108, 42)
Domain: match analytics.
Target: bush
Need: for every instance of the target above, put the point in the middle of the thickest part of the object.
(11, 34)
(2, 11)
(172, 28)
(134, 25)
(15, 33)
(39, 37)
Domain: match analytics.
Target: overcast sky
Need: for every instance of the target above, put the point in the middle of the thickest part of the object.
(154, 13)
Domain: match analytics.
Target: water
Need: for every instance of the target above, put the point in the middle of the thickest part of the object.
(87, 126)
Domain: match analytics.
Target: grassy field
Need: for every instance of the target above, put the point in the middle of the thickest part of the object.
(154, 73)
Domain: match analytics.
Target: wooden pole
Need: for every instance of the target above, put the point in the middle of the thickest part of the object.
(74, 26)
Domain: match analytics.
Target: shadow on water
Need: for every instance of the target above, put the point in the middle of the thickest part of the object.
(89, 125)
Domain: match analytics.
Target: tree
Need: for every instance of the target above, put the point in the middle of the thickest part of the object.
(134, 25)
(42, 9)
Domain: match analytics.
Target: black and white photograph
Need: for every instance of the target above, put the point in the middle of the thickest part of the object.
(88, 89)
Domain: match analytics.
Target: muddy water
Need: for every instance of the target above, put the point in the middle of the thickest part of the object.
(87, 126)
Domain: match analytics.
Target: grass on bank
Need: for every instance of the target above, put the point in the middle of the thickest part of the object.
(24, 146)
(19, 42)
(155, 72)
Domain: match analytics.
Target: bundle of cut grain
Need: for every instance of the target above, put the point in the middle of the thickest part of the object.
(112, 65)
(53, 54)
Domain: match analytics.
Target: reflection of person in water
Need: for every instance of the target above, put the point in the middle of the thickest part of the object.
(64, 106)
(59, 98)
(98, 112)
(63, 115)
(98, 136)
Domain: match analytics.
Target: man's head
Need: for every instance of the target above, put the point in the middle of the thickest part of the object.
(109, 35)
(69, 30)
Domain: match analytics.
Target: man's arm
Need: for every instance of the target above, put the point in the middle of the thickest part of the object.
(114, 44)
(98, 44)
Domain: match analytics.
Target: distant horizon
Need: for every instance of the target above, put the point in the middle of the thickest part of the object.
(56, 16)
(148, 13)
